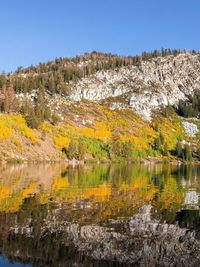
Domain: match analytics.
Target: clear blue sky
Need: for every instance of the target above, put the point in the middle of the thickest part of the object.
(34, 31)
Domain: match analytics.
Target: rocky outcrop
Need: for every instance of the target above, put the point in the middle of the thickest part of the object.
(157, 83)
(139, 240)
(190, 128)
(191, 198)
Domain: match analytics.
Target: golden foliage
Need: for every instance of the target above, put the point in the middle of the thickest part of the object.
(11, 123)
(61, 141)
(5, 132)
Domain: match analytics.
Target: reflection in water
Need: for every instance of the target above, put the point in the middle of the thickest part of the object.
(100, 215)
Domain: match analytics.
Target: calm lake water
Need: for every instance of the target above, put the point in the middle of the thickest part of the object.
(99, 215)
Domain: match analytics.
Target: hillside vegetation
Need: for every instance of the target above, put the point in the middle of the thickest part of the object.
(93, 132)
(56, 75)
(40, 120)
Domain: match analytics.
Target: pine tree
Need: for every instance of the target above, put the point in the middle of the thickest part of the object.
(179, 149)
(8, 101)
(11, 99)
(72, 151)
(165, 149)
(3, 98)
(41, 109)
(127, 150)
(81, 149)
(28, 112)
(188, 152)
(51, 84)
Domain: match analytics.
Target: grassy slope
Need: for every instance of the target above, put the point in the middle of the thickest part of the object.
(94, 123)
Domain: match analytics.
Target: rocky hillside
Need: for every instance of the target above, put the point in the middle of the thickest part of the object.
(99, 106)
(160, 82)
(142, 83)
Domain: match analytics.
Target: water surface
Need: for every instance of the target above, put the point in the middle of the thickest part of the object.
(99, 215)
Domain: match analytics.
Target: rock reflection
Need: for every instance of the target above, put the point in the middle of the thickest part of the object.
(101, 215)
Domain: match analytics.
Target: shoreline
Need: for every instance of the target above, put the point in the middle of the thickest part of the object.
(75, 162)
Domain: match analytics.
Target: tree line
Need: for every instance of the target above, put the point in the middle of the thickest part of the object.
(191, 107)
(34, 111)
(55, 76)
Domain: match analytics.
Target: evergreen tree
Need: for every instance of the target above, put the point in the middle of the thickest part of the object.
(127, 150)
(41, 109)
(179, 149)
(3, 99)
(8, 101)
(188, 152)
(38, 112)
(82, 148)
(72, 151)
(116, 147)
(28, 112)
(165, 150)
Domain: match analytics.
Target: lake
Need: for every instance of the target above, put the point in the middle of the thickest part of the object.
(99, 215)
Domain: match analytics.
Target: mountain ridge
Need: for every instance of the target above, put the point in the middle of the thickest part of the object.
(122, 108)
(159, 82)
(142, 82)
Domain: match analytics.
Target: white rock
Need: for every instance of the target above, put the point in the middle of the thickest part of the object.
(159, 82)
(191, 129)
(191, 198)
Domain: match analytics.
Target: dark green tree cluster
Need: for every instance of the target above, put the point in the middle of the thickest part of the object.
(37, 112)
(86, 147)
(163, 53)
(76, 150)
(184, 152)
(121, 149)
(190, 108)
(160, 145)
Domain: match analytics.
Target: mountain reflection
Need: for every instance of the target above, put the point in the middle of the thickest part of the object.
(100, 215)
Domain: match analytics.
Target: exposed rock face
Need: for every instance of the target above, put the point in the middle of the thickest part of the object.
(159, 82)
(191, 129)
(191, 198)
(143, 241)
